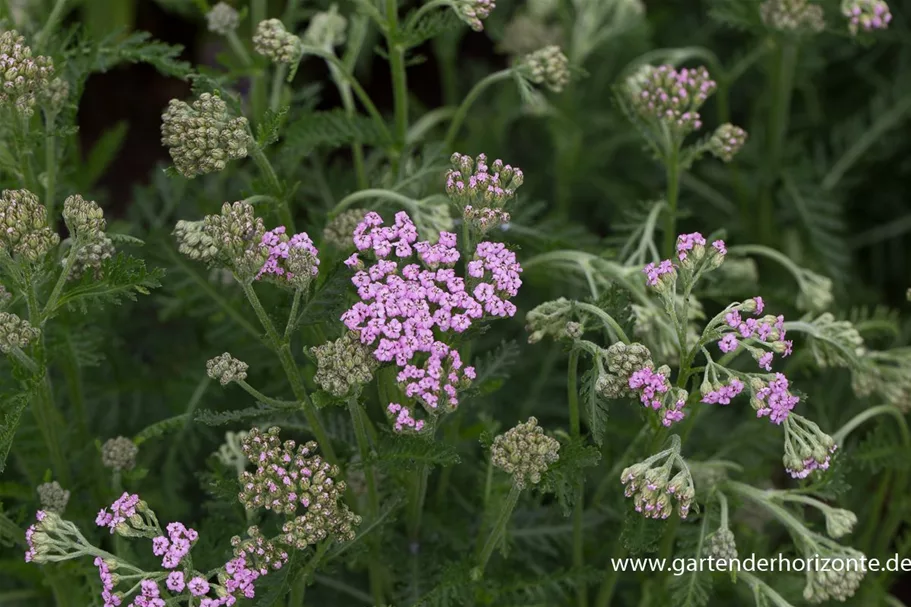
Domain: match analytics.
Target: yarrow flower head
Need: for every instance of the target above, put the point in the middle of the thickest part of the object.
(547, 66)
(670, 96)
(238, 235)
(525, 452)
(655, 391)
(623, 360)
(193, 241)
(326, 29)
(15, 332)
(773, 399)
(291, 477)
(53, 497)
(174, 547)
(124, 514)
(866, 15)
(722, 545)
(204, 136)
(23, 78)
(119, 454)
(38, 537)
(85, 221)
(792, 15)
(721, 394)
(338, 231)
(840, 579)
(344, 365)
(24, 231)
(473, 12)
(806, 447)
(726, 141)
(400, 308)
(292, 261)
(275, 42)
(482, 191)
(226, 369)
(652, 487)
(222, 19)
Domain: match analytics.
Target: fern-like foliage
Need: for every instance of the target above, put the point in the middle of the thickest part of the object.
(123, 278)
(332, 129)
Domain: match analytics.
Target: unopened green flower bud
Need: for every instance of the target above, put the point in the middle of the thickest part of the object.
(53, 497)
(343, 365)
(15, 332)
(23, 226)
(119, 454)
(193, 241)
(722, 545)
(237, 234)
(815, 292)
(275, 42)
(340, 231)
(23, 77)
(203, 137)
(525, 452)
(727, 141)
(225, 368)
(223, 19)
(839, 580)
(326, 29)
(839, 522)
(84, 218)
(547, 66)
(55, 94)
(792, 16)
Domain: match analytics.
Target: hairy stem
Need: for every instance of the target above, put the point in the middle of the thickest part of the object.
(51, 23)
(268, 172)
(278, 80)
(499, 529)
(673, 191)
(50, 166)
(575, 430)
(258, 14)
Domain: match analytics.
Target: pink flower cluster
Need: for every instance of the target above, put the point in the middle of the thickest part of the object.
(867, 15)
(724, 394)
(30, 554)
(765, 331)
(150, 595)
(121, 510)
(174, 547)
(651, 385)
(279, 248)
(107, 584)
(674, 96)
(687, 245)
(483, 185)
(686, 242)
(653, 272)
(810, 464)
(778, 401)
(401, 308)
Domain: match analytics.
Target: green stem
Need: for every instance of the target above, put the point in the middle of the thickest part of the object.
(575, 430)
(371, 194)
(291, 371)
(373, 502)
(299, 586)
(782, 76)
(292, 316)
(606, 592)
(843, 432)
(25, 359)
(50, 166)
(606, 318)
(258, 14)
(265, 167)
(472, 96)
(239, 49)
(47, 417)
(50, 24)
(399, 77)
(673, 191)
(58, 286)
(499, 529)
(278, 80)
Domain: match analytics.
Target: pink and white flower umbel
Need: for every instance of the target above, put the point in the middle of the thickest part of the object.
(406, 308)
(866, 15)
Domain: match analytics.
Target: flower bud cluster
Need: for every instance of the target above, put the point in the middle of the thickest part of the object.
(792, 15)
(839, 522)
(842, 343)
(481, 190)
(806, 447)
(547, 66)
(721, 545)
(622, 360)
(22, 77)
(119, 454)
(886, 373)
(272, 40)
(15, 332)
(653, 489)
(655, 391)
(37, 536)
(552, 319)
(838, 581)
(53, 497)
(726, 141)
(222, 19)
(772, 398)
(670, 96)
(289, 477)
(203, 137)
(815, 292)
(344, 365)
(23, 226)
(339, 230)
(193, 241)
(238, 234)
(85, 221)
(124, 514)
(525, 452)
(326, 29)
(225, 368)
(866, 15)
(473, 12)
(54, 95)
(293, 261)
(260, 553)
